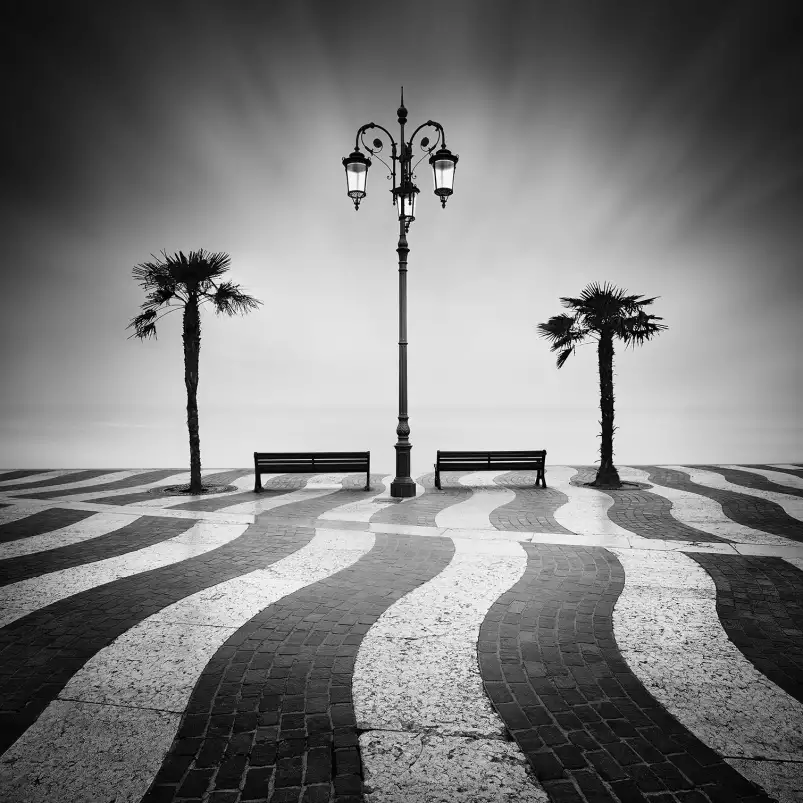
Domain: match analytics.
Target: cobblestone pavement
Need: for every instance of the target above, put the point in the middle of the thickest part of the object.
(490, 641)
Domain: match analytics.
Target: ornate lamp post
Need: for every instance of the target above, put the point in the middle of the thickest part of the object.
(404, 194)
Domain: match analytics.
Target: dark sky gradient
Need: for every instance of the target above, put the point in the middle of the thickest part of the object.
(657, 145)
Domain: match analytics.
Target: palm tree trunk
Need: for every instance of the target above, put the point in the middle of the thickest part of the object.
(607, 473)
(192, 348)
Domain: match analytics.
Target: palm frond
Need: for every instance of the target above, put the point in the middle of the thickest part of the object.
(229, 299)
(144, 325)
(637, 329)
(565, 332)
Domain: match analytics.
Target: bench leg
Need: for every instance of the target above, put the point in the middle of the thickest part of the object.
(257, 482)
(437, 477)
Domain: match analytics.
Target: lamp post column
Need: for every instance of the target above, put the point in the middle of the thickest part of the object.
(403, 486)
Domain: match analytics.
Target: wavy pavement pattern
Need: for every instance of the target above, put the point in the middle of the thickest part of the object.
(474, 511)
(92, 526)
(111, 494)
(362, 509)
(127, 700)
(533, 509)
(23, 521)
(428, 731)
(422, 509)
(761, 479)
(66, 487)
(51, 478)
(13, 475)
(41, 652)
(667, 628)
(316, 486)
(760, 607)
(750, 511)
(703, 513)
(791, 506)
(133, 535)
(80, 480)
(22, 598)
(647, 513)
(586, 509)
(779, 478)
(275, 702)
(552, 668)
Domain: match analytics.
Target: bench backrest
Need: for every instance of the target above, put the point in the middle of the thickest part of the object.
(318, 462)
(535, 458)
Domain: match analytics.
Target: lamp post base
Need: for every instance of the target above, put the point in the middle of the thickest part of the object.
(402, 487)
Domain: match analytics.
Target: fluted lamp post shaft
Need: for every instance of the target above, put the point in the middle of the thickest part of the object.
(404, 194)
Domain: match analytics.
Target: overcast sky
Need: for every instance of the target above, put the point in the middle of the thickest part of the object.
(654, 145)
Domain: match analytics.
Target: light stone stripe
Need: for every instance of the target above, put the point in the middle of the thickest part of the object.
(21, 598)
(792, 505)
(791, 466)
(666, 626)
(703, 513)
(244, 483)
(430, 729)
(319, 485)
(84, 530)
(19, 510)
(99, 480)
(116, 719)
(474, 513)
(49, 475)
(773, 476)
(363, 509)
(586, 511)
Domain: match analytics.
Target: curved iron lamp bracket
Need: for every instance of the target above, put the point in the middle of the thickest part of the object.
(377, 145)
(424, 144)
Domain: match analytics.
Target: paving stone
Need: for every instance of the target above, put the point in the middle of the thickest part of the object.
(760, 606)
(741, 508)
(37, 523)
(566, 584)
(355, 596)
(140, 533)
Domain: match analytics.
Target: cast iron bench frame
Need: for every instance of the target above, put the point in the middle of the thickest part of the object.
(310, 463)
(490, 461)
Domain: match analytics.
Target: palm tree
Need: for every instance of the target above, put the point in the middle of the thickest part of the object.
(602, 313)
(187, 282)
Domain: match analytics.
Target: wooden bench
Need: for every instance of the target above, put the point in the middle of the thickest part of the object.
(490, 461)
(310, 462)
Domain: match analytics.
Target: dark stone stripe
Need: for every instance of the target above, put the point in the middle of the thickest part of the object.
(741, 508)
(755, 481)
(533, 509)
(422, 510)
(275, 701)
(44, 521)
(39, 653)
(590, 730)
(78, 476)
(760, 605)
(221, 477)
(23, 473)
(646, 514)
(141, 533)
(138, 479)
(794, 472)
